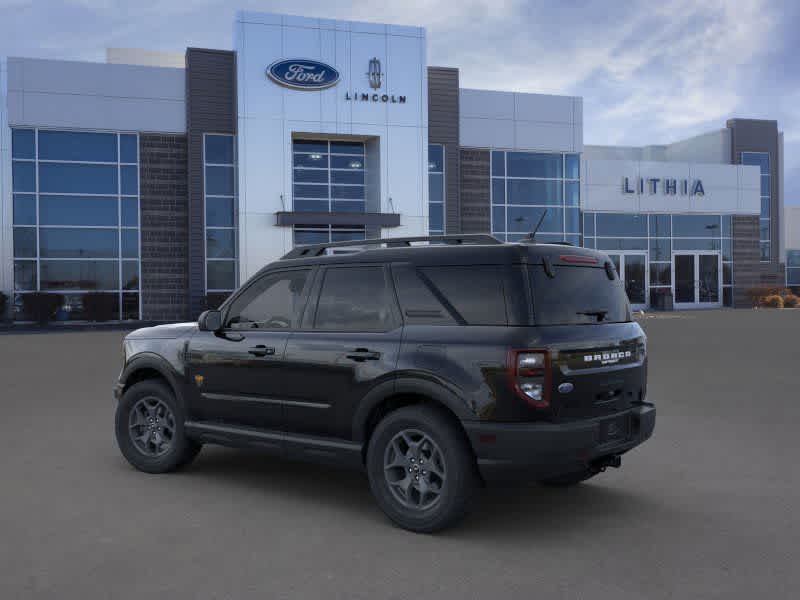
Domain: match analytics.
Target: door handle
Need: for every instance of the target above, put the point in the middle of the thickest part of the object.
(261, 350)
(362, 354)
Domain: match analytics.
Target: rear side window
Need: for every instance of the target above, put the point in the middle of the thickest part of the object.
(354, 299)
(418, 303)
(475, 292)
(577, 296)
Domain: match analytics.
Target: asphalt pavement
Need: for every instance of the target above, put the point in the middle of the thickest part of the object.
(708, 508)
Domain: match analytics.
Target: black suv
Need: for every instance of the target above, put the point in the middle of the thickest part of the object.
(436, 367)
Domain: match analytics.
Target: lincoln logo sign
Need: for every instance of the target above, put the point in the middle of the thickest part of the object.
(302, 74)
(667, 186)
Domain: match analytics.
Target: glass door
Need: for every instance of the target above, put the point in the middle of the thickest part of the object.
(696, 279)
(632, 270)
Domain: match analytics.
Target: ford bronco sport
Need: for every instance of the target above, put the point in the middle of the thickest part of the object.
(436, 365)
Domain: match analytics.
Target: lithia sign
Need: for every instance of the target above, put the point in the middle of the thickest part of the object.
(667, 186)
(306, 74)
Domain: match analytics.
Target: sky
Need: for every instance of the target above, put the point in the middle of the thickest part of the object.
(649, 72)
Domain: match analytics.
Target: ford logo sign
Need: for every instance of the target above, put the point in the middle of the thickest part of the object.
(303, 74)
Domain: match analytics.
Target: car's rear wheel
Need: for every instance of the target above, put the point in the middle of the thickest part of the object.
(421, 469)
(149, 428)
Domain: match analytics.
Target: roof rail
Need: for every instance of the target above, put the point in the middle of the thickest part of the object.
(318, 249)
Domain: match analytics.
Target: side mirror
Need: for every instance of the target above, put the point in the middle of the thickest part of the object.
(210, 320)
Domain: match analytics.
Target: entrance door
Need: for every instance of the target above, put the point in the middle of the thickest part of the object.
(696, 279)
(632, 269)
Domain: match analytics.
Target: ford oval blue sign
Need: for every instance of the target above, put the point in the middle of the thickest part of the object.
(303, 74)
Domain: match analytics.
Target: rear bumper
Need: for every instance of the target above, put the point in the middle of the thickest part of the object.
(530, 451)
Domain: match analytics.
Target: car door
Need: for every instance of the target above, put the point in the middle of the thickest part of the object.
(236, 372)
(349, 342)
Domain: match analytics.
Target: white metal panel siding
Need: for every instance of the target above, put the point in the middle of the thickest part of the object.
(82, 95)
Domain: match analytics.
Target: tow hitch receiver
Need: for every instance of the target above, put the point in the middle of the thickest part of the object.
(601, 464)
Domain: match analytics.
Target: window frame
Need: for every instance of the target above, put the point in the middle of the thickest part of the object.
(234, 227)
(310, 316)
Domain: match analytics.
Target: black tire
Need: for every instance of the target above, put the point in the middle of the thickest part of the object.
(456, 491)
(568, 479)
(172, 449)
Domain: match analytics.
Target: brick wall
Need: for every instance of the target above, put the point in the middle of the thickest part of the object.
(748, 271)
(165, 231)
(476, 216)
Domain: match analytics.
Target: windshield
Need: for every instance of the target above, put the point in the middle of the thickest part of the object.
(577, 296)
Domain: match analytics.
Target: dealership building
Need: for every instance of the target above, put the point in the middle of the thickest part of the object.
(168, 179)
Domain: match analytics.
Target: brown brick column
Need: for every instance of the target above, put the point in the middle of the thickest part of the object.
(476, 215)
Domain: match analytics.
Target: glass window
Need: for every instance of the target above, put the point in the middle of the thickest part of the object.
(219, 149)
(588, 224)
(727, 249)
(354, 299)
(79, 275)
(695, 244)
(417, 303)
(130, 307)
(349, 177)
(765, 250)
(573, 166)
(311, 175)
(310, 191)
(660, 226)
(696, 225)
(356, 148)
(350, 192)
(566, 298)
(319, 161)
(621, 243)
(129, 180)
(130, 243)
(128, 148)
(498, 163)
(765, 208)
(344, 233)
(272, 302)
(311, 205)
(660, 249)
(24, 209)
(763, 228)
(219, 181)
(621, 225)
(25, 242)
(57, 242)
(344, 162)
(23, 143)
(759, 159)
(25, 275)
(347, 206)
(220, 275)
(498, 191)
(130, 275)
(793, 277)
(66, 178)
(78, 146)
(765, 191)
(727, 225)
(130, 212)
(307, 237)
(727, 296)
(530, 164)
(436, 187)
(220, 243)
(484, 304)
(526, 218)
(436, 218)
(528, 191)
(312, 146)
(572, 191)
(793, 258)
(572, 220)
(435, 158)
(727, 273)
(77, 210)
(219, 212)
(23, 176)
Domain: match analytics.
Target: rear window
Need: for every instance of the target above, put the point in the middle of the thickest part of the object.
(577, 296)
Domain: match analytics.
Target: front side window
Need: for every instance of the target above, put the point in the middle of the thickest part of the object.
(273, 302)
(354, 299)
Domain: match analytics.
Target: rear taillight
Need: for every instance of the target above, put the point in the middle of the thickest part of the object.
(529, 376)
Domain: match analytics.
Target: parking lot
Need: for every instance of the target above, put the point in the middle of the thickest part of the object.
(707, 509)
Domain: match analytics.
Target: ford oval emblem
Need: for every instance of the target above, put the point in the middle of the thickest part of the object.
(565, 388)
(303, 74)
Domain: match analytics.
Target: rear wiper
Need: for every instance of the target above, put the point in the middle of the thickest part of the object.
(600, 314)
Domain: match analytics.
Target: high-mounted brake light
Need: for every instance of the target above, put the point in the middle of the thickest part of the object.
(529, 376)
(577, 259)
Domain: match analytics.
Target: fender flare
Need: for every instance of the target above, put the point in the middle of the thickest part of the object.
(149, 360)
(411, 384)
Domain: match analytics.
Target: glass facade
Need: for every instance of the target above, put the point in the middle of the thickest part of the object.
(436, 189)
(76, 218)
(658, 236)
(793, 268)
(219, 160)
(328, 176)
(761, 160)
(528, 187)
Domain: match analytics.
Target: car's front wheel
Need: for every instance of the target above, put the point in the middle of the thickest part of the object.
(421, 470)
(149, 428)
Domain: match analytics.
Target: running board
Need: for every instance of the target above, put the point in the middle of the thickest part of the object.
(331, 451)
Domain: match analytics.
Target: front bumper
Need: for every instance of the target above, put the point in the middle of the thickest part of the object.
(530, 451)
